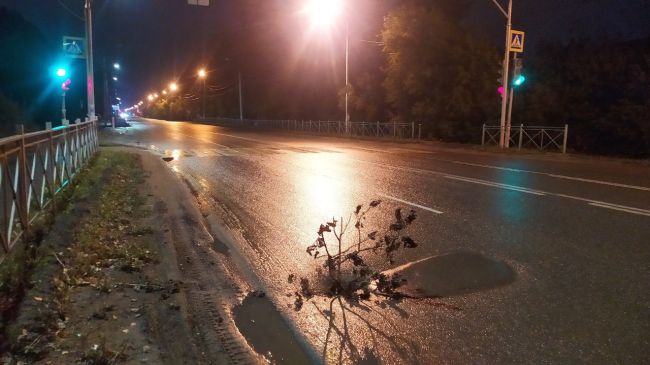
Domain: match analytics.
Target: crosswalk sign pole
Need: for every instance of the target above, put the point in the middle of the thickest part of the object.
(506, 69)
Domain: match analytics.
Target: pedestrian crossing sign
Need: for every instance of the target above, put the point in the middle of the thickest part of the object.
(74, 47)
(517, 41)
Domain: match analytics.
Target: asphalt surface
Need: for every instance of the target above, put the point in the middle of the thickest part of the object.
(539, 258)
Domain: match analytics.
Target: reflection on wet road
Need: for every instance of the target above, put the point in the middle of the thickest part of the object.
(537, 259)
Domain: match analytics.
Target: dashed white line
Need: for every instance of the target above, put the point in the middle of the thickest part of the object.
(623, 209)
(595, 203)
(410, 203)
(557, 176)
(208, 141)
(497, 185)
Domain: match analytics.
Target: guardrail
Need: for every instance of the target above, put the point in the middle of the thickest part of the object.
(395, 130)
(34, 168)
(541, 138)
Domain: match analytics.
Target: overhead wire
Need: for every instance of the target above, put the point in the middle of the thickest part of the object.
(67, 8)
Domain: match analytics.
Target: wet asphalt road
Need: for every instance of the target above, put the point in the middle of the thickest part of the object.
(541, 259)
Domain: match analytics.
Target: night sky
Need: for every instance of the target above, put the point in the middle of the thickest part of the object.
(156, 39)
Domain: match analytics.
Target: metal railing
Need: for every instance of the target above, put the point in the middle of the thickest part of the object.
(395, 130)
(535, 137)
(34, 168)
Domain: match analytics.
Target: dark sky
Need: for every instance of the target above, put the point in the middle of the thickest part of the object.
(152, 38)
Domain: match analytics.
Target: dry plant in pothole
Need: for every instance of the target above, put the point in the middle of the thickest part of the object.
(349, 275)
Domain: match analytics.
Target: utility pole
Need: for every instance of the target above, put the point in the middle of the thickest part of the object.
(90, 83)
(241, 103)
(204, 98)
(347, 74)
(506, 76)
(63, 111)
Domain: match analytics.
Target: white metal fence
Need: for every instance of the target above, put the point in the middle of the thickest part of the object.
(395, 130)
(535, 137)
(34, 168)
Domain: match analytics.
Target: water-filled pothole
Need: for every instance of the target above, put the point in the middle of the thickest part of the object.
(455, 274)
(267, 333)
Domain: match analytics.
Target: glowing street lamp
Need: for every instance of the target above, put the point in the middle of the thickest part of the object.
(164, 92)
(173, 87)
(116, 66)
(150, 97)
(61, 72)
(114, 78)
(323, 13)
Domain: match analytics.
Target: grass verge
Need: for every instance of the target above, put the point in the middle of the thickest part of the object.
(95, 240)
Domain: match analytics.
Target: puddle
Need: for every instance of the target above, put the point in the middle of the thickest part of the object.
(267, 333)
(455, 274)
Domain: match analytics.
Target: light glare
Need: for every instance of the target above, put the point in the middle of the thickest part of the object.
(323, 13)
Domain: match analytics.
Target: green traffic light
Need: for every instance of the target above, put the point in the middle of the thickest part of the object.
(519, 80)
(61, 72)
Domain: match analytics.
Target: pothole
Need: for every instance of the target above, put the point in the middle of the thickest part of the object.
(267, 333)
(455, 274)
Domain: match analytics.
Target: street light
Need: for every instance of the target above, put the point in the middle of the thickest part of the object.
(61, 72)
(164, 92)
(116, 66)
(203, 75)
(324, 13)
(114, 78)
(173, 87)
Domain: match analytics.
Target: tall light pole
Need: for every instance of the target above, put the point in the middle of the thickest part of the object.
(90, 78)
(241, 102)
(347, 74)
(506, 69)
(203, 75)
(324, 13)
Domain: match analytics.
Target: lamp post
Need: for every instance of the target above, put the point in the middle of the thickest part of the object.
(324, 13)
(203, 75)
(347, 74)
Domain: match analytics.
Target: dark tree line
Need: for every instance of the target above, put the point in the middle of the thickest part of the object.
(25, 58)
(600, 88)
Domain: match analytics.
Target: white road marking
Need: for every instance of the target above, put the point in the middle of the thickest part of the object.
(398, 149)
(596, 203)
(621, 209)
(494, 184)
(406, 266)
(214, 143)
(410, 203)
(557, 176)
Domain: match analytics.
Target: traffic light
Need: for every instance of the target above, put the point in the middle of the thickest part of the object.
(500, 79)
(518, 78)
(65, 86)
(61, 72)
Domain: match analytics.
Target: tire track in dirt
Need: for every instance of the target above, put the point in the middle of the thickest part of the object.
(210, 287)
